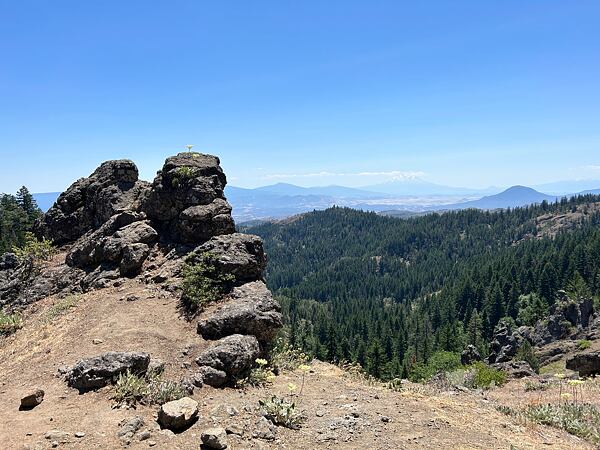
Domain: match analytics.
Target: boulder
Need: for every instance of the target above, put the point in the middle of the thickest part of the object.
(99, 371)
(234, 355)
(209, 376)
(215, 438)
(250, 310)
(122, 241)
(8, 261)
(186, 200)
(89, 202)
(179, 414)
(505, 343)
(32, 399)
(133, 257)
(201, 222)
(587, 364)
(241, 255)
(516, 369)
(470, 355)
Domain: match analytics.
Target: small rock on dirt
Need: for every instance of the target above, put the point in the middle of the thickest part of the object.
(178, 414)
(215, 438)
(32, 399)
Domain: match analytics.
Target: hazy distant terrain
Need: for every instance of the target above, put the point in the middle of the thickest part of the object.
(396, 198)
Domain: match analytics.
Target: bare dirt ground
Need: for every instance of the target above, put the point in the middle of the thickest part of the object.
(341, 411)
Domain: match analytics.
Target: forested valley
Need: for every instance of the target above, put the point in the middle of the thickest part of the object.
(390, 293)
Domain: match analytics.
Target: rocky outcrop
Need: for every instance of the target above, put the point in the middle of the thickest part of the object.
(99, 371)
(123, 242)
(250, 310)
(113, 225)
(240, 255)
(569, 319)
(186, 200)
(506, 343)
(235, 355)
(89, 202)
(587, 364)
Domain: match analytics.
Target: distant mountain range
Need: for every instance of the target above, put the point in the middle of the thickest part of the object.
(402, 198)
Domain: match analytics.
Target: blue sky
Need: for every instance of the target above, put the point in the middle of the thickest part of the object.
(468, 93)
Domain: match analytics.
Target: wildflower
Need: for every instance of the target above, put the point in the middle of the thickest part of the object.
(575, 382)
(560, 376)
(292, 387)
(270, 378)
(304, 367)
(189, 147)
(565, 395)
(261, 362)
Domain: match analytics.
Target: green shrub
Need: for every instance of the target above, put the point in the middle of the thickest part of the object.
(281, 412)
(526, 353)
(164, 391)
(486, 377)
(9, 323)
(584, 344)
(32, 248)
(130, 388)
(439, 362)
(150, 389)
(182, 175)
(202, 282)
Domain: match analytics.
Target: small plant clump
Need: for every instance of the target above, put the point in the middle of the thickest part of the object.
(582, 420)
(131, 389)
(285, 358)
(536, 386)
(62, 307)
(203, 283)
(486, 377)
(259, 376)
(282, 412)
(584, 344)
(182, 174)
(38, 251)
(9, 323)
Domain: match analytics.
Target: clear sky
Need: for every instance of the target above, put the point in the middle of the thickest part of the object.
(467, 93)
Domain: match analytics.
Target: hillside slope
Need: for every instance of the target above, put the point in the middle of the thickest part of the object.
(341, 411)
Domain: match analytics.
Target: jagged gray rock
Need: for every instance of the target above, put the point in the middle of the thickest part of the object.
(122, 241)
(239, 254)
(234, 355)
(187, 201)
(99, 371)
(249, 310)
(587, 364)
(89, 202)
(470, 355)
(209, 376)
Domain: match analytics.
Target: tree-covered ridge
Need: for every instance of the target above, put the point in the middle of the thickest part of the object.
(388, 293)
(17, 215)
